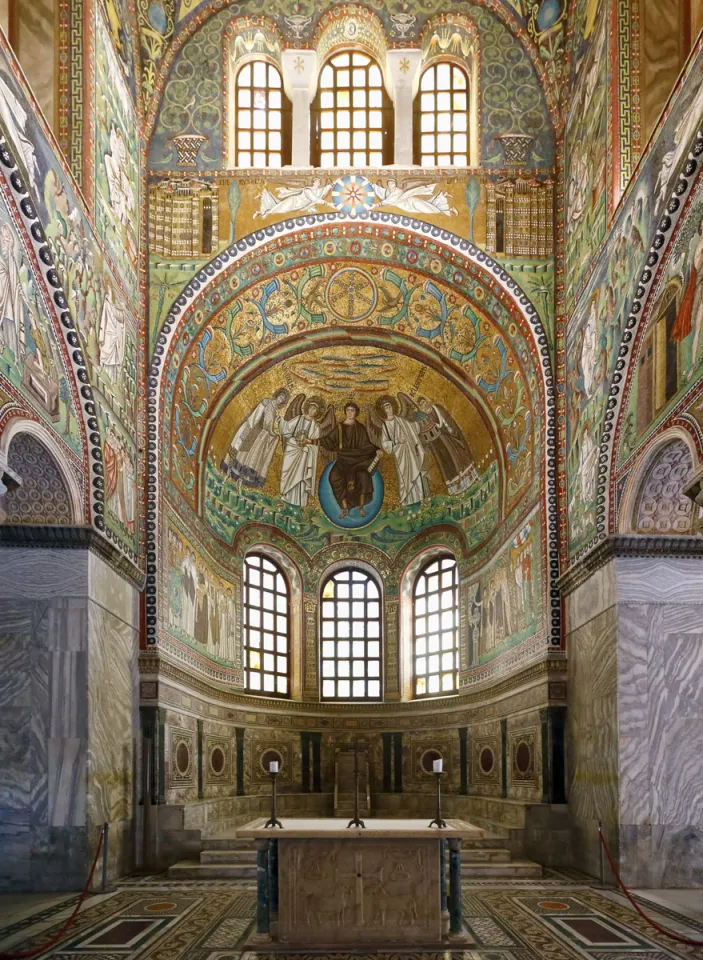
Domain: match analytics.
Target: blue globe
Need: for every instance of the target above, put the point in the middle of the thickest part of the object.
(332, 509)
(549, 13)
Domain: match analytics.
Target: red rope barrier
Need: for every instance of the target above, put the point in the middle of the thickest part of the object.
(67, 924)
(667, 933)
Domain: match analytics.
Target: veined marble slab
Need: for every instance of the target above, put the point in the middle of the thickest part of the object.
(336, 829)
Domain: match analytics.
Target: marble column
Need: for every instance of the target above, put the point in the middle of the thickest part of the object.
(403, 68)
(634, 726)
(455, 909)
(262, 887)
(300, 81)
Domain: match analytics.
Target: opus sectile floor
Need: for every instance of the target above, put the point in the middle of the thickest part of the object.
(559, 917)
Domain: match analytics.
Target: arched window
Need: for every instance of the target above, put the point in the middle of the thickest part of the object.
(352, 115)
(442, 115)
(436, 628)
(351, 637)
(260, 117)
(266, 605)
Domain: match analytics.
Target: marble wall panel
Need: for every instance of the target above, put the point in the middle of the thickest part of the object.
(525, 728)
(659, 580)
(113, 708)
(592, 736)
(42, 573)
(660, 693)
(112, 592)
(591, 598)
(68, 718)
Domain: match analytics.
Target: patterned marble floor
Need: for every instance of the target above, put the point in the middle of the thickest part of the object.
(559, 917)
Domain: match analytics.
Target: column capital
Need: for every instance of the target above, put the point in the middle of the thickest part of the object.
(299, 69)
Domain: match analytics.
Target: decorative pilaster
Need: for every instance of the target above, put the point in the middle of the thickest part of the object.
(463, 760)
(310, 687)
(239, 732)
(443, 886)
(398, 762)
(316, 740)
(300, 82)
(403, 67)
(504, 758)
(161, 759)
(200, 760)
(391, 649)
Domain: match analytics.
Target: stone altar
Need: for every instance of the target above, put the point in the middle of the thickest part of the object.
(323, 885)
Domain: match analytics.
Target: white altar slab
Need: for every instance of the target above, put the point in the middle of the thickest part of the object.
(324, 886)
(330, 828)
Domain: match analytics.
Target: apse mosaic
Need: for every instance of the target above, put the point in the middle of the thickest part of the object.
(345, 439)
(305, 288)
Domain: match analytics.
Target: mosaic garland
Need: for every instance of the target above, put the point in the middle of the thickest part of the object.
(219, 264)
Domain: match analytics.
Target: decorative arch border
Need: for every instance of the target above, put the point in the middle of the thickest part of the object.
(634, 328)
(211, 7)
(167, 338)
(56, 303)
(20, 423)
(645, 458)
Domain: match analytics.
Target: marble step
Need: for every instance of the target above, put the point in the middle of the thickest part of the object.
(227, 841)
(484, 855)
(246, 857)
(512, 869)
(193, 870)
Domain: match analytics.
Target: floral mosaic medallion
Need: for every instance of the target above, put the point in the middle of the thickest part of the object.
(353, 194)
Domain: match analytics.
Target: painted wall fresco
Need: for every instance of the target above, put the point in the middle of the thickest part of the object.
(586, 161)
(32, 360)
(117, 188)
(106, 325)
(506, 597)
(193, 218)
(512, 98)
(597, 323)
(202, 610)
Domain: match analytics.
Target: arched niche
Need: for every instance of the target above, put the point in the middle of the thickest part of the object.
(33, 453)
(653, 501)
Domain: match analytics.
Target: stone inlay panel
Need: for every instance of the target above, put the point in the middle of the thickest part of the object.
(342, 893)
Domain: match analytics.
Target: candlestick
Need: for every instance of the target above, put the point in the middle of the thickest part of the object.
(273, 820)
(356, 820)
(438, 815)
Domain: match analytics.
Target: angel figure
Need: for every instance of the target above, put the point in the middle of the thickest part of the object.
(293, 199)
(394, 427)
(414, 199)
(253, 445)
(304, 422)
(441, 435)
